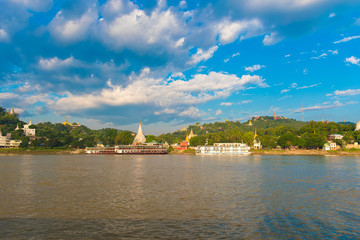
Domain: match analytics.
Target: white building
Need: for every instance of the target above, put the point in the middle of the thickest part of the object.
(224, 149)
(6, 142)
(29, 132)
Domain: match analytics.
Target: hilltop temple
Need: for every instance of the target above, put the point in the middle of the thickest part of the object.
(140, 137)
(66, 123)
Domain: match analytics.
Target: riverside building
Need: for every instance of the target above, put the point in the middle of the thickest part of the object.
(224, 149)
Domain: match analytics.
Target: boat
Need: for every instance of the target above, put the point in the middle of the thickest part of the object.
(236, 149)
(128, 149)
(100, 150)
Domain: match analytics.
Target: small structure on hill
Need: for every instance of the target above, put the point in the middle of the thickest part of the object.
(12, 112)
(28, 132)
(333, 137)
(250, 123)
(256, 142)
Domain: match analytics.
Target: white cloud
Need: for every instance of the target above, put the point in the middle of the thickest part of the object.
(137, 30)
(287, 55)
(202, 55)
(166, 111)
(349, 92)
(230, 31)
(325, 106)
(227, 104)
(254, 68)
(178, 75)
(324, 55)
(347, 39)
(272, 39)
(334, 52)
(218, 112)
(180, 42)
(144, 89)
(55, 63)
(72, 30)
(285, 91)
(331, 15)
(191, 112)
(353, 60)
(246, 101)
(310, 86)
(35, 5)
(4, 36)
(7, 95)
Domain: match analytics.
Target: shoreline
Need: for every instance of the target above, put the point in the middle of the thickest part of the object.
(253, 152)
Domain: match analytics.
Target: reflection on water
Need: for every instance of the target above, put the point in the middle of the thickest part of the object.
(81, 196)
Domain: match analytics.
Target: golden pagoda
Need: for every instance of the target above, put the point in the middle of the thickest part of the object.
(250, 123)
(226, 120)
(66, 123)
(187, 138)
(275, 117)
(255, 135)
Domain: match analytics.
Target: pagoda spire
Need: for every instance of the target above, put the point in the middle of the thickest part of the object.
(139, 138)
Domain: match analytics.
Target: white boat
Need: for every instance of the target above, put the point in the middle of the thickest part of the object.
(224, 149)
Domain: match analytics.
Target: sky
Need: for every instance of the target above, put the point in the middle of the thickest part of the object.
(113, 63)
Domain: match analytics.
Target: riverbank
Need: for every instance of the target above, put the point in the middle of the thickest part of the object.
(40, 151)
(312, 152)
(306, 152)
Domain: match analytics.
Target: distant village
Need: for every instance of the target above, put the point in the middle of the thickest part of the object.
(205, 135)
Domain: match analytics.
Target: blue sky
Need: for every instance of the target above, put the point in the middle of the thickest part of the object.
(173, 63)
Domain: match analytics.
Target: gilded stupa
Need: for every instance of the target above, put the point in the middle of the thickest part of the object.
(66, 123)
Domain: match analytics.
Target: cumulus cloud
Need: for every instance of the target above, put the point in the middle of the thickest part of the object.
(218, 112)
(230, 31)
(55, 63)
(272, 39)
(285, 91)
(145, 90)
(347, 39)
(72, 29)
(254, 68)
(202, 55)
(353, 60)
(349, 92)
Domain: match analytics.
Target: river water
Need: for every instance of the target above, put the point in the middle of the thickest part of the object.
(179, 197)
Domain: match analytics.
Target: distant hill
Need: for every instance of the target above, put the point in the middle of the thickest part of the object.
(258, 123)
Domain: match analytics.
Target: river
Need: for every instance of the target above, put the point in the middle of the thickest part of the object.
(179, 197)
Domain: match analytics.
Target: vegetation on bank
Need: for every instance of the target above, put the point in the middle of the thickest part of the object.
(271, 132)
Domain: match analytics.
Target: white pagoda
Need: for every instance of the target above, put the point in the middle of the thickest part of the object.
(357, 126)
(139, 138)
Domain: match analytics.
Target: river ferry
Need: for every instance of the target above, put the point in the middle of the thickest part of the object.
(224, 149)
(128, 149)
